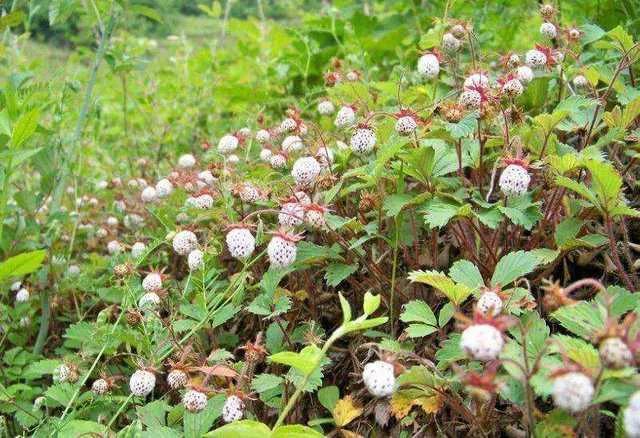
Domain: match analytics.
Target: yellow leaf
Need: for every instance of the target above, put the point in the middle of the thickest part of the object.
(402, 402)
(346, 411)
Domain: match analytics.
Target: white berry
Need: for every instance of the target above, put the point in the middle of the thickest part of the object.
(482, 342)
(233, 409)
(194, 401)
(572, 392)
(142, 383)
(184, 242)
(379, 378)
(514, 180)
(240, 242)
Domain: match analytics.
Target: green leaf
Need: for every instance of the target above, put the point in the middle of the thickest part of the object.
(10, 20)
(582, 319)
(371, 303)
(305, 361)
(197, 424)
(465, 272)
(346, 308)
(456, 293)
(266, 382)
(335, 273)
(294, 431)
(393, 204)
(146, 11)
(438, 212)
(465, 127)
(328, 397)
(513, 266)
(24, 128)
(22, 264)
(244, 429)
(418, 311)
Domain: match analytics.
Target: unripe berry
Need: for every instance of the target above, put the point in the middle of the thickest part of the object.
(195, 260)
(450, 43)
(476, 81)
(186, 161)
(184, 242)
(194, 401)
(228, 143)
(100, 387)
(379, 378)
(489, 303)
(631, 416)
(470, 99)
(363, 141)
(233, 409)
(177, 379)
(514, 180)
(429, 65)
(482, 342)
(138, 249)
(535, 58)
(142, 383)
(278, 161)
(149, 300)
(114, 247)
(263, 136)
(346, 117)
(572, 391)
(525, 74)
(325, 107)
(240, 243)
(149, 194)
(265, 154)
(513, 88)
(288, 125)
(406, 125)
(291, 214)
(281, 251)
(580, 81)
(22, 295)
(615, 353)
(152, 282)
(207, 177)
(548, 30)
(305, 171)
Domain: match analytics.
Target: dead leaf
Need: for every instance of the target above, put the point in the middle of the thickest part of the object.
(346, 411)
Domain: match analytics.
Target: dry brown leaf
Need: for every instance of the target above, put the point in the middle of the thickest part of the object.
(346, 411)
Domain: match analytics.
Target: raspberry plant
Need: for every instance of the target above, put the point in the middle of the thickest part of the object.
(192, 207)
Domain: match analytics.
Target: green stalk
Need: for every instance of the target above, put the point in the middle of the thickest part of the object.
(82, 118)
(4, 196)
(294, 398)
(43, 332)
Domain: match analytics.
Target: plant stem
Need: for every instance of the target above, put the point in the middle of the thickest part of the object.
(44, 322)
(294, 398)
(615, 257)
(394, 270)
(4, 196)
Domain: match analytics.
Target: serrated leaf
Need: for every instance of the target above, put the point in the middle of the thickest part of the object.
(465, 272)
(456, 293)
(266, 382)
(328, 397)
(513, 266)
(305, 361)
(335, 273)
(22, 264)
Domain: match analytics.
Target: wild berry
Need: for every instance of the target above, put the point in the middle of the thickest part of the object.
(353, 76)
(450, 43)
(572, 391)
(114, 247)
(177, 379)
(524, 74)
(265, 154)
(248, 192)
(233, 409)
(489, 303)
(513, 88)
(580, 81)
(471, 99)
(535, 58)
(152, 282)
(305, 171)
(278, 161)
(149, 300)
(138, 249)
(514, 180)
(133, 221)
(184, 242)
(100, 387)
(289, 124)
(195, 260)
(314, 215)
(263, 136)
(363, 140)
(301, 198)
(149, 194)
(406, 125)
(64, 373)
(112, 221)
(282, 249)
(186, 161)
(476, 81)
(548, 30)
(194, 401)
(164, 188)
(240, 242)
(429, 65)
(291, 214)
(379, 378)
(22, 295)
(346, 117)
(631, 416)
(228, 143)
(325, 107)
(233, 159)
(203, 202)
(482, 342)
(615, 353)
(142, 383)
(207, 177)
(15, 286)
(547, 11)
